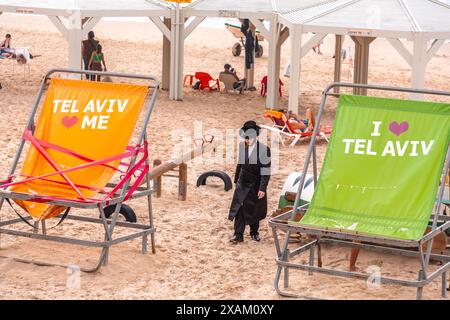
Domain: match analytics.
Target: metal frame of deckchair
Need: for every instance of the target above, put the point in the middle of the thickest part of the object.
(285, 222)
(123, 190)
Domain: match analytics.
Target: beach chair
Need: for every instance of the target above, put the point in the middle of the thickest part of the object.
(228, 80)
(205, 81)
(80, 157)
(22, 59)
(378, 188)
(264, 87)
(283, 128)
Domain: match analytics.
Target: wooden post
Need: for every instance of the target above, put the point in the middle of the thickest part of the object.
(165, 79)
(337, 61)
(182, 182)
(158, 179)
(362, 45)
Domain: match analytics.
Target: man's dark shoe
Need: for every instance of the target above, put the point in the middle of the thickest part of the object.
(255, 237)
(236, 239)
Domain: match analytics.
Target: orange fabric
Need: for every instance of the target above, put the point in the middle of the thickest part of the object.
(95, 119)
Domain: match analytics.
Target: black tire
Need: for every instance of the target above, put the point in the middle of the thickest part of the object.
(125, 211)
(237, 49)
(228, 185)
(259, 53)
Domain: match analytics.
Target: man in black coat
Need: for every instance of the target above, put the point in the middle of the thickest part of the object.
(249, 204)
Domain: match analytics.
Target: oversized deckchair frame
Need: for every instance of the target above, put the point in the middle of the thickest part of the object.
(122, 191)
(355, 240)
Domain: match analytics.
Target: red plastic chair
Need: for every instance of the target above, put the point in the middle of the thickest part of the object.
(205, 80)
(264, 86)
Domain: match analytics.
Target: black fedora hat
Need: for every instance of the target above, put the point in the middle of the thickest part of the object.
(250, 129)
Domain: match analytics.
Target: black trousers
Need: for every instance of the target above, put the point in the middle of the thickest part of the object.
(239, 226)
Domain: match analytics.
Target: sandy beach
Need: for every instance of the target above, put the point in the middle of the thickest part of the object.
(194, 259)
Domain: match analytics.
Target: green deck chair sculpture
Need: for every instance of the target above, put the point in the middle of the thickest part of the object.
(378, 186)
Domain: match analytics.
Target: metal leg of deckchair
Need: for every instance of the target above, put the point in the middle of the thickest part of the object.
(67, 266)
(36, 227)
(311, 258)
(150, 217)
(44, 227)
(150, 208)
(107, 237)
(420, 289)
(286, 271)
(444, 285)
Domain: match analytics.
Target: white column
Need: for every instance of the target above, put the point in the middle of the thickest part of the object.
(295, 33)
(419, 65)
(173, 54)
(180, 68)
(74, 38)
(272, 78)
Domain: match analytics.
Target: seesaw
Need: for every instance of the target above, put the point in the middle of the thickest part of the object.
(177, 168)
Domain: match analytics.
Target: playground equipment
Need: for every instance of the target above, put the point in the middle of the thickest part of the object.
(161, 169)
(238, 46)
(228, 185)
(80, 157)
(379, 198)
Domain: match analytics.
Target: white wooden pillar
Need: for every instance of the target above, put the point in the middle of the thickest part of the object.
(74, 38)
(173, 55)
(165, 74)
(295, 33)
(180, 67)
(337, 60)
(272, 67)
(419, 65)
(418, 59)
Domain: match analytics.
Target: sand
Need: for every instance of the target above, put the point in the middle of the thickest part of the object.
(193, 259)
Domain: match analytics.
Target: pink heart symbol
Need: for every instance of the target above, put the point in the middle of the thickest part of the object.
(69, 121)
(398, 129)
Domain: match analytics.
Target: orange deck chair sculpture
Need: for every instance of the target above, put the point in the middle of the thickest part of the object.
(79, 157)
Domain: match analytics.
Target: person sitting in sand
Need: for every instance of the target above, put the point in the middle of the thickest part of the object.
(240, 83)
(5, 47)
(298, 123)
(95, 64)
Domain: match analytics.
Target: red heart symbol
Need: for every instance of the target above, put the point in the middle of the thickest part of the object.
(69, 121)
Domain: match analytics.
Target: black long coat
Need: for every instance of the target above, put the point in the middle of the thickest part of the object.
(252, 175)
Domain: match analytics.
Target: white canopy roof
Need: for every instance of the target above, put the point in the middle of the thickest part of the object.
(88, 8)
(381, 18)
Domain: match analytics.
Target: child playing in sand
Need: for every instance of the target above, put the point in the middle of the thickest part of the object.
(249, 204)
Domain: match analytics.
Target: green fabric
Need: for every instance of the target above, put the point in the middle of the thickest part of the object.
(98, 57)
(383, 187)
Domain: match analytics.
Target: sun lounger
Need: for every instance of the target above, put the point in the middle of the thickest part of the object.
(283, 128)
(377, 187)
(80, 156)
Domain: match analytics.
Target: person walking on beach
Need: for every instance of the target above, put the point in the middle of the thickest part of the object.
(95, 64)
(249, 204)
(87, 48)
